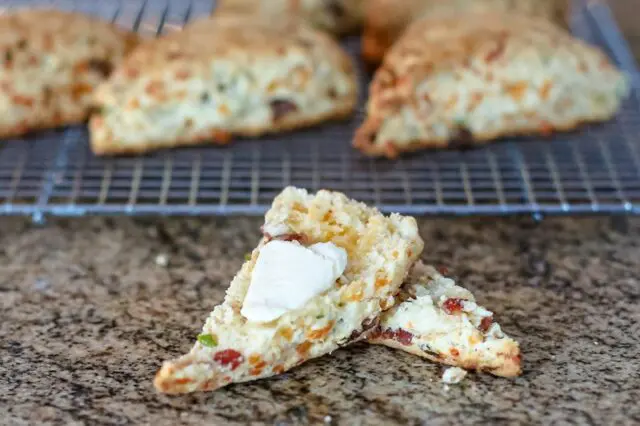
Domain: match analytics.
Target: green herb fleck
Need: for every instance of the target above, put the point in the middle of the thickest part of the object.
(247, 256)
(208, 340)
(320, 316)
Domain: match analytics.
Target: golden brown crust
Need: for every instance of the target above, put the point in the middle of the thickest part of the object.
(385, 20)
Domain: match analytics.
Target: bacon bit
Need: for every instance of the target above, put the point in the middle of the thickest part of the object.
(485, 324)
(281, 107)
(97, 121)
(327, 216)
(227, 379)
(546, 89)
(604, 64)
(303, 348)
(517, 90)
(154, 87)
(182, 381)
(452, 305)
(221, 136)
(369, 327)
(182, 75)
(278, 369)
(442, 270)
(454, 352)
(399, 335)
(381, 282)
(254, 359)
(80, 68)
(546, 129)
(301, 238)
(285, 332)
(320, 333)
(228, 357)
(6, 86)
(209, 384)
(404, 337)
(33, 60)
(22, 100)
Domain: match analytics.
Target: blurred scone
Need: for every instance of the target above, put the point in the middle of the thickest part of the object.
(51, 63)
(335, 16)
(385, 20)
(222, 76)
(479, 77)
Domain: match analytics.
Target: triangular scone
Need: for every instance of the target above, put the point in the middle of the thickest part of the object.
(222, 76)
(477, 77)
(380, 251)
(51, 63)
(438, 320)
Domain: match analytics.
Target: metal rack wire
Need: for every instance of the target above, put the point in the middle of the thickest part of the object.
(595, 170)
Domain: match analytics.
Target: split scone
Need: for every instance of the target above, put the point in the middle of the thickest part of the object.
(51, 63)
(385, 20)
(222, 76)
(474, 78)
(338, 17)
(318, 280)
(438, 320)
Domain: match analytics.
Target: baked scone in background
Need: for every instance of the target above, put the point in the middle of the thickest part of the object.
(380, 251)
(222, 76)
(477, 77)
(385, 20)
(438, 320)
(338, 17)
(51, 63)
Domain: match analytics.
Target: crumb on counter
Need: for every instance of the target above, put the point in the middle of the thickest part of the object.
(453, 375)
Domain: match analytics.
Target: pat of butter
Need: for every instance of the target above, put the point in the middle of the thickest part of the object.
(287, 275)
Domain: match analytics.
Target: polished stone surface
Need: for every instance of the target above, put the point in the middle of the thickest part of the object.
(88, 311)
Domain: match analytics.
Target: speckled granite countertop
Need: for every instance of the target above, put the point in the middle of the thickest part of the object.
(87, 315)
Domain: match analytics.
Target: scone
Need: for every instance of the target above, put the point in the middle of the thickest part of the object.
(51, 63)
(440, 321)
(222, 76)
(385, 20)
(338, 17)
(474, 78)
(318, 280)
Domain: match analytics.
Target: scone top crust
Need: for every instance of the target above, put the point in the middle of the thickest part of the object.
(336, 16)
(386, 19)
(68, 35)
(487, 75)
(380, 251)
(243, 40)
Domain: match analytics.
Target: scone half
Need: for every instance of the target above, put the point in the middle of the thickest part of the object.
(477, 78)
(236, 347)
(222, 76)
(51, 63)
(438, 320)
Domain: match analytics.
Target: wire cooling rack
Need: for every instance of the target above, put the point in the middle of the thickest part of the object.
(595, 170)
